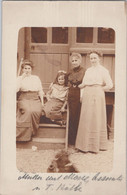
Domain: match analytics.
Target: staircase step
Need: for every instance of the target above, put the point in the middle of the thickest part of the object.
(48, 140)
(40, 145)
(48, 132)
(42, 125)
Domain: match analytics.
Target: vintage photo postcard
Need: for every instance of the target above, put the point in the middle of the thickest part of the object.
(63, 110)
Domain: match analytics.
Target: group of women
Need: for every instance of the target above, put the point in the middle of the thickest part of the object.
(85, 92)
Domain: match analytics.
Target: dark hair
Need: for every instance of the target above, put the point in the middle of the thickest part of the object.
(61, 73)
(96, 52)
(27, 62)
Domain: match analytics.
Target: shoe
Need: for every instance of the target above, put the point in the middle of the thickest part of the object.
(71, 146)
(77, 150)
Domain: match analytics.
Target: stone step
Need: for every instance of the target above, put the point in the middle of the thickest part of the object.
(51, 131)
(48, 140)
(40, 145)
(49, 136)
(41, 125)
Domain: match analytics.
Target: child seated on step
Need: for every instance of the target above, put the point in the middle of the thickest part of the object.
(56, 97)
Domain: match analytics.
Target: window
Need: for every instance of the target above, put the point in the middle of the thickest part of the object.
(106, 35)
(84, 35)
(60, 35)
(38, 35)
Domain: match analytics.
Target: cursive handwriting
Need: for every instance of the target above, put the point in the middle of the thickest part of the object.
(69, 182)
(28, 177)
(36, 188)
(65, 187)
(51, 178)
(97, 177)
(74, 176)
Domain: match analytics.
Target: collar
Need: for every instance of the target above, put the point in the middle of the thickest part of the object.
(77, 69)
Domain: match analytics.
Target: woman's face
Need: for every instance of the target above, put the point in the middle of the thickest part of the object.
(61, 80)
(75, 62)
(94, 59)
(27, 69)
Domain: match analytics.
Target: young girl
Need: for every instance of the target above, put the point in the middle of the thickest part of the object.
(56, 98)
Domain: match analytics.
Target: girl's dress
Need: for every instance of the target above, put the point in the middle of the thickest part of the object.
(29, 107)
(92, 129)
(74, 79)
(57, 96)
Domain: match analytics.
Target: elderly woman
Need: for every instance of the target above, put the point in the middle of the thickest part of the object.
(75, 77)
(30, 103)
(92, 129)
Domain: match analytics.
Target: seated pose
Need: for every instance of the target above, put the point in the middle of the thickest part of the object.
(56, 99)
(30, 102)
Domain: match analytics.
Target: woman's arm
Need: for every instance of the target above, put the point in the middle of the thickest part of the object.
(107, 81)
(18, 84)
(41, 95)
(40, 92)
(19, 80)
(82, 85)
(64, 106)
(48, 94)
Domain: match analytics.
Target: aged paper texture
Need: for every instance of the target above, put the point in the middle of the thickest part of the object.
(18, 15)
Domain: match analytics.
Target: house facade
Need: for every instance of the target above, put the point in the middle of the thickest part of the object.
(50, 47)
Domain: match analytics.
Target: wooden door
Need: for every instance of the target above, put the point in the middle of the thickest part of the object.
(48, 48)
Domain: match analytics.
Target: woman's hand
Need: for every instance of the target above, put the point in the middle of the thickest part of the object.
(24, 75)
(47, 97)
(105, 88)
(62, 109)
(81, 86)
(42, 105)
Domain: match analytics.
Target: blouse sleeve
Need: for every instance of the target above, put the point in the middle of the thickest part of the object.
(40, 89)
(85, 78)
(18, 83)
(107, 80)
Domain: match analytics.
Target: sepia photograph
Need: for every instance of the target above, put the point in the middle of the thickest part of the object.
(65, 99)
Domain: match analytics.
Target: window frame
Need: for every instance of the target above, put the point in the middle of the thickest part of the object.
(85, 47)
(50, 47)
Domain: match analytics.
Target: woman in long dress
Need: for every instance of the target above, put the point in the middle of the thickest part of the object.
(30, 103)
(75, 77)
(92, 129)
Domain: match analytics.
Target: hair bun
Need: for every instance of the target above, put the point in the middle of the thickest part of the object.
(99, 53)
(27, 62)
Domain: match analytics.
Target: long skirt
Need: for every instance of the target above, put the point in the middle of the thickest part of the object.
(74, 113)
(52, 109)
(29, 110)
(92, 129)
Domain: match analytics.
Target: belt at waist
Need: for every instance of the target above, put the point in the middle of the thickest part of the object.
(94, 85)
(28, 95)
(74, 86)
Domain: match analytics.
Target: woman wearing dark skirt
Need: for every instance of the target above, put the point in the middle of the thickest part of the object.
(74, 78)
(92, 129)
(30, 103)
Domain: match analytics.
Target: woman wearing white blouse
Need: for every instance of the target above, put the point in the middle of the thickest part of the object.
(30, 103)
(92, 129)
